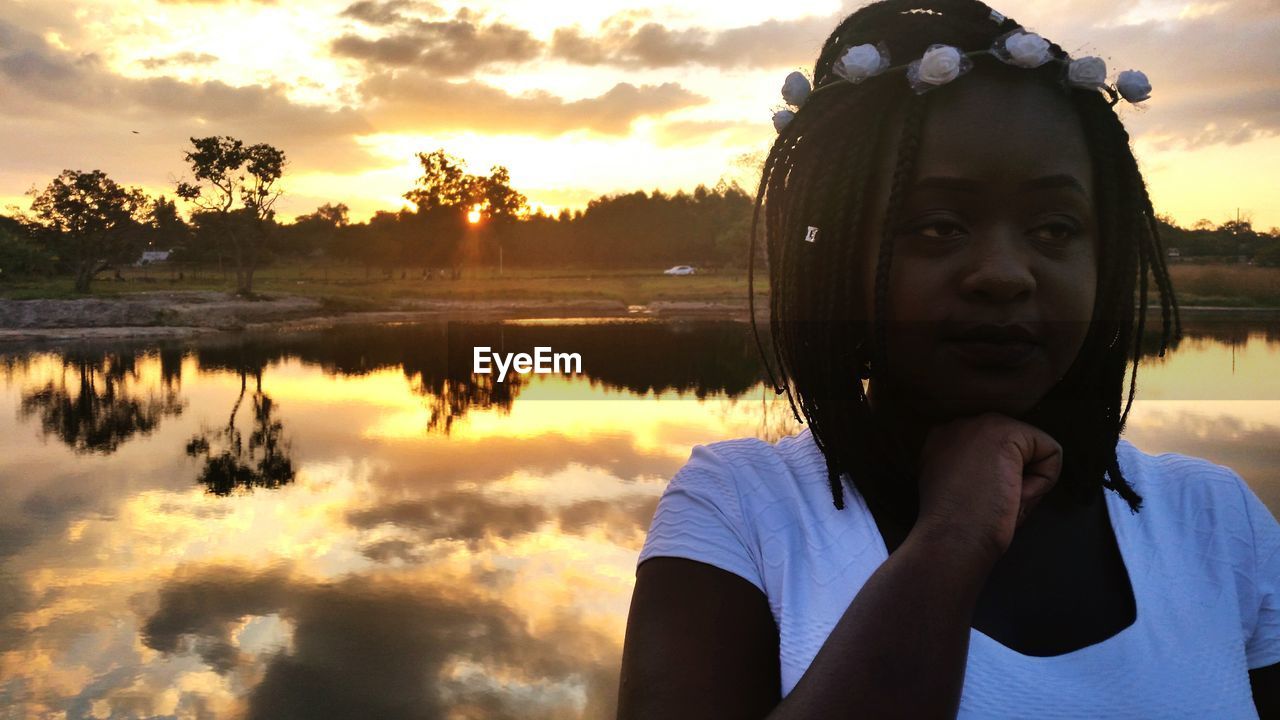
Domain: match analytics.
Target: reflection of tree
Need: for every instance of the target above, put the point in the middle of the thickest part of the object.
(776, 417)
(451, 398)
(100, 408)
(230, 462)
(1208, 331)
(445, 377)
(700, 358)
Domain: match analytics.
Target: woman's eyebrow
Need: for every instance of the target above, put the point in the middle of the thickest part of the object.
(966, 185)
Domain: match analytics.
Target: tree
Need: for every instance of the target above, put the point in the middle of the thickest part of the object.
(446, 193)
(167, 229)
(317, 232)
(502, 206)
(20, 256)
(499, 200)
(226, 172)
(444, 183)
(90, 222)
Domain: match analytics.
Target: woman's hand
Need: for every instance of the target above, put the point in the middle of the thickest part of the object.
(980, 476)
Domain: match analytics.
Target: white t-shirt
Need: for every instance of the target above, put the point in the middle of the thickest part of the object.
(1203, 557)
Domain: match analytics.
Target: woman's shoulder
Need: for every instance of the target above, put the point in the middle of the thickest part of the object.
(1175, 477)
(754, 465)
(1195, 497)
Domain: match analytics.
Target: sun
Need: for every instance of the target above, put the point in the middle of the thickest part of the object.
(473, 217)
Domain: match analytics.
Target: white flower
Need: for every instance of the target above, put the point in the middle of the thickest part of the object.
(1133, 86)
(860, 62)
(1089, 72)
(1027, 50)
(940, 65)
(782, 118)
(795, 89)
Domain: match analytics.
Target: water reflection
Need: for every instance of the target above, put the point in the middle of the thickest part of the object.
(230, 463)
(346, 523)
(99, 406)
(380, 647)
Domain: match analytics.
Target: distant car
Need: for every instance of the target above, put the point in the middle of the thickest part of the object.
(678, 270)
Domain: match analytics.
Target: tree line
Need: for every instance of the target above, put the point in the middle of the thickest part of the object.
(84, 223)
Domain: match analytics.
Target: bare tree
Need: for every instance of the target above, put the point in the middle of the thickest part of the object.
(228, 172)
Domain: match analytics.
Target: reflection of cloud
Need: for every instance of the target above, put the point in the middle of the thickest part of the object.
(364, 647)
(437, 462)
(422, 102)
(1219, 432)
(470, 516)
(15, 599)
(205, 605)
(456, 515)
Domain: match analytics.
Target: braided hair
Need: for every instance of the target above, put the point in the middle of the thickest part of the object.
(818, 173)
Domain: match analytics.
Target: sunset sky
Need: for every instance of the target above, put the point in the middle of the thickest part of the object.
(577, 99)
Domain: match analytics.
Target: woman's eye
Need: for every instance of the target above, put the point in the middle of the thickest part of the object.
(1057, 232)
(939, 230)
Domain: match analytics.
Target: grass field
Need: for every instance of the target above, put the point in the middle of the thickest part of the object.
(351, 288)
(1226, 285)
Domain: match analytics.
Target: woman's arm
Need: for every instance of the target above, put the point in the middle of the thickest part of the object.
(1266, 691)
(701, 641)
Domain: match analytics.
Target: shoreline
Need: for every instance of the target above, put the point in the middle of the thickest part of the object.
(184, 315)
(191, 314)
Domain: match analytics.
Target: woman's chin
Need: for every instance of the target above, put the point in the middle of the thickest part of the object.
(976, 399)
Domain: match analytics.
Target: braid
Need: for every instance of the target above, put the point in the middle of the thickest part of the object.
(908, 148)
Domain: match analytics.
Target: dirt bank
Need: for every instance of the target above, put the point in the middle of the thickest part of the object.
(185, 314)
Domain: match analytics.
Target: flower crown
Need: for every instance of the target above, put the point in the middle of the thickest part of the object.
(941, 64)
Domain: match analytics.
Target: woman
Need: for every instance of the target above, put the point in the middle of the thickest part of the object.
(954, 217)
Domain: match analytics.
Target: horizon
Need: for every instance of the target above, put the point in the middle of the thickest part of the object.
(578, 100)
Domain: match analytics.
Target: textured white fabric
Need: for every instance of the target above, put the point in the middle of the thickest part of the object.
(1203, 556)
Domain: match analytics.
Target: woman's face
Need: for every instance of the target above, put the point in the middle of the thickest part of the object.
(994, 263)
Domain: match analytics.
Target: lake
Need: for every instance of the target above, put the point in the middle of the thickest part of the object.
(345, 522)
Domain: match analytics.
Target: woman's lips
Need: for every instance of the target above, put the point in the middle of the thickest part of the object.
(993, 353)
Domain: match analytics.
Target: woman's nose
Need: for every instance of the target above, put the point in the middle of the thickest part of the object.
(998, 269)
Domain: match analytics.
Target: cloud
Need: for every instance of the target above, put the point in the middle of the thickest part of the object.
(216, 2)
(49, 92)
(1213, 75)
(624, 42)
(389, 12)
(453, 48)
(182, 58)
(1211, 63)
(730, 132)
(421, 102)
